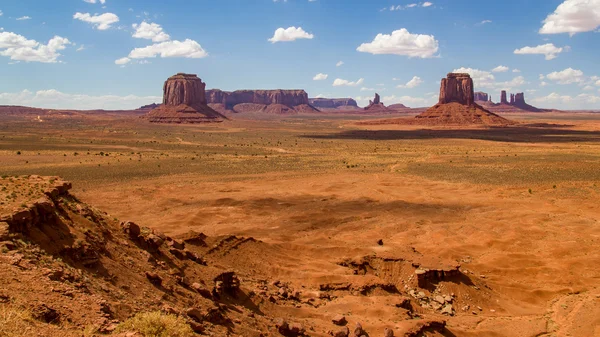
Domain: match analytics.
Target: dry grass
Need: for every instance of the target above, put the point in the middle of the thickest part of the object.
(156, 324)
(14, 321)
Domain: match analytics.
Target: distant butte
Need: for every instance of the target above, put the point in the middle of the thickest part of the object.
(457, 105)
(516, 104)
(184, 101)
(376, 106)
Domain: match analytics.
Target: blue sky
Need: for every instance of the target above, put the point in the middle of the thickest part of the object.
(117, 54)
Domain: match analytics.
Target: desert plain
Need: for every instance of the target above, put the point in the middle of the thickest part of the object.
(348, 213)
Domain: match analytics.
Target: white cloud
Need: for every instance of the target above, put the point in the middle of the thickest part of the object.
(402, 42)
(500, 69)
(481, 78)
(339, 64)
(598, 83)
(427, 4)
(188, 49)
(150, 31)
(556, 100)
(588, 88)
(101, 22)
(413, 83)
(573, 16)
(54, 99)
(1, 13)
(19, 48)
(367, 89)
(123, 61)
(81, 48)
(515, 83)
(516, 71)
(340, 82)
(549, 50)
(320, 77)
(95, 1)
(567, 76)
(410, 100)
(23, 18)
(484, 22)
(290, 34)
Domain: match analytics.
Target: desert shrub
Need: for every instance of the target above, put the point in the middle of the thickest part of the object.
(156, 324)
(14, 322)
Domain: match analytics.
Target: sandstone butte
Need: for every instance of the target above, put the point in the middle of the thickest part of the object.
(517, 103)
(376, 106)
(267, 101)
(184, 101)
(457, 105)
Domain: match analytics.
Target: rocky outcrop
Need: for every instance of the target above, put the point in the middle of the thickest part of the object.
(481, 97)
(457, 105)
(457, 88)
(376, 106)
(512, 99)
(184, 101)
(333, 103)
(503, 97)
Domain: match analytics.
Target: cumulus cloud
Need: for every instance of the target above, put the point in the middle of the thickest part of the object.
(95, 1)
(290, 34)
(187, 48)
(481, 78)
(413, 83)
(549, 50)
(516, 71)
(339, 64)
(123, 61)
(340, 82)
(19, 48)
(560, 101)
(426, 4)
(402, 42)
(54, 99)
(320, 77)
(150, 31)
(573, 16)
(500, 69)
(567, 76)
(100, 22)
(23, 18)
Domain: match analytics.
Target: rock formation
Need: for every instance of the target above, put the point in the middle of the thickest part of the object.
(503, 97)
(270, 101)
(376, 106)
(457, 88)
(516, 104)
(481, 96)
(333, 103)
(184, 101)
(457, 105)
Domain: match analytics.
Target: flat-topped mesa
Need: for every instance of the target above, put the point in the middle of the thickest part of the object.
(185, 89)
(290, 98)
(457, 88)
(333, 103)
(481, 97)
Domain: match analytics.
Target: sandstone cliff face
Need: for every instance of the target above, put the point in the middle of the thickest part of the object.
(520, 99)
(184, 101)
(457, 87)
(288, 98)
(333, 103)
(185, 89)
(481, 96)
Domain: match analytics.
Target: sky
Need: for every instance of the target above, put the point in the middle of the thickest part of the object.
(116, 54)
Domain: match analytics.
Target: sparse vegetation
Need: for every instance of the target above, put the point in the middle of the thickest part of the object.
(156, 324)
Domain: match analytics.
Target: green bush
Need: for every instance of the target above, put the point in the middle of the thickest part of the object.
(156, 324)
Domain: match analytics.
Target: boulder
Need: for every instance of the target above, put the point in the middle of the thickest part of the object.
(339, 320)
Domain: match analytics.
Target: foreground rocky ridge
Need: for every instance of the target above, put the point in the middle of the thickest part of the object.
(74, 268)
